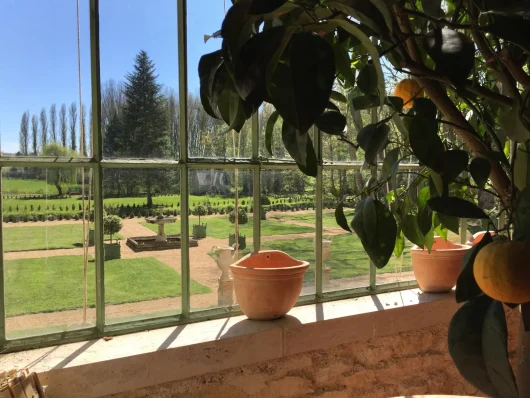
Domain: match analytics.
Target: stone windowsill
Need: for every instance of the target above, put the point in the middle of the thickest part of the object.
(98, 367)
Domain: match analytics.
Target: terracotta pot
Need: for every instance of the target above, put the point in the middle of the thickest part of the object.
(476, 238)
(268, 283)
(437, 271)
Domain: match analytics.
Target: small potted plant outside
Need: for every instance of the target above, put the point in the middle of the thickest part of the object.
(199, 230)
(111, 226)
(241, 219)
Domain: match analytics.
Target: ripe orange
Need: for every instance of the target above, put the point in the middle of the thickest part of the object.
(407, 90)
(502, 271)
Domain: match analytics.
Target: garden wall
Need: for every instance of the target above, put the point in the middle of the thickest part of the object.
(402, 364)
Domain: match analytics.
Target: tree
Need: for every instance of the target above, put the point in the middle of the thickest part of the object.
(63, 125)
(73, 122)
(43, 128)
(24, 133)
(145, 120)
(310, 48)
(111, 225)
(34, 133)
(53, 123)
(57, 175)
(82, 131)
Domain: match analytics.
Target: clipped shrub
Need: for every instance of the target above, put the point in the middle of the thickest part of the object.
(242, 216)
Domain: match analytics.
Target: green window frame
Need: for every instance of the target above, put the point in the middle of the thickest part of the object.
(97, 164)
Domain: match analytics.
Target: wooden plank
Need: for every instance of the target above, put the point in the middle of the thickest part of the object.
(38, 385)
(17, 391)
(28, 384)
(5, 393)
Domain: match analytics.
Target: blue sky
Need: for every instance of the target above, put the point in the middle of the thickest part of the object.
(38, 47)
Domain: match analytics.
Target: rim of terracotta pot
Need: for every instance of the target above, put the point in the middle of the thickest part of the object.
(270, 272)
(453, 249)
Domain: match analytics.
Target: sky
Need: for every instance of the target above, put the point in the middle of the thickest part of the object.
(38, 50)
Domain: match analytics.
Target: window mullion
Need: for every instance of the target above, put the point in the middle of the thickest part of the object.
(256, 189)
(2, 274)
(97, 154)
(318, 216)
(183, 127)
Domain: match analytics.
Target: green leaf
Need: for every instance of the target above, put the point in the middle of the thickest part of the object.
(424, 107)
(339, 97)
(449, 222)
(425, 142)
(384, 9)
(379, 245)
(411, 230)
(466, 285)
(361, 15)
(300, 91)
(441, 231)
(269, 129)
(367, 80)
(456, 207)
(370, 48)
(400, 244)
(395, 103)
(369, 221)
(480, 169)
(511, 124)
(300, 147)
(209, 64)
(522, 216)
(236, 28)
(513, 29)
(364, 102)
(437, 183)
(424, 212)
(495, 351)
(265, 6)
(373, 139)
(432, 7)
(331, 122)
(453, 163)
(340, 217)
(465, 343)
(390, 163)
(343, 63)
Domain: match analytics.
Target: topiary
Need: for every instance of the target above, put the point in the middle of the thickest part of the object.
(111, 225)
(242, 217)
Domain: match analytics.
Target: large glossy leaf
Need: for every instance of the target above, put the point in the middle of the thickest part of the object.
(514, 29)
(237, 28)
(379, 245)
(396, 103)
(424, 107)
(340, 217)
(495, 351)
(466, 285)
(269, 130)
(364, 102)
(343, 63)
(456, 207)
(361, 14)
(231, 109)
(367, 80)
(425, 142)
(432, 7)
(465, 344)
(300, 147)
(390, 163)
(522, 216)
(331, 122)
(480, 169)
(400, 244)
(453, 163)
(512, 126)
(449, 222)
(373, 139)
(411, 230)
(208, 66)
(300, 91)
(265, 6)
(424, 212)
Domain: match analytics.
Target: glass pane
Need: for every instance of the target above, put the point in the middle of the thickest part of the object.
(139, 79)
(213, 232)
(289, 223)
(345, 263)
(142, 261)
(207, 136)
(49, 267)
(40, 90)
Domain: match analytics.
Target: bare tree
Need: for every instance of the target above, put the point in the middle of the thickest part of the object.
(24, 133)
(34, 133)
(173, 121)
(62, 125)
(112, 101)
(53, 123)
(73, 123)
(82, 131)
(43, 128)
(91, 131)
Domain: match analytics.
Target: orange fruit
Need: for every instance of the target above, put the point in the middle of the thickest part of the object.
(502, 271)
(407, 90)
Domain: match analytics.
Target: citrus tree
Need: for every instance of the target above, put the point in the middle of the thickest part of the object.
(463, 113)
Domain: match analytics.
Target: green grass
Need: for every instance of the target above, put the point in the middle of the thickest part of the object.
(347, 259)
(56, 283)
(220, 227)
(29, 187)
(328, 219)
(30, 237)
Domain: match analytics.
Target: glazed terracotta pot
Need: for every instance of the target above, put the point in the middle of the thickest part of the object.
(268, 283)
(437, 271)
(476, 238)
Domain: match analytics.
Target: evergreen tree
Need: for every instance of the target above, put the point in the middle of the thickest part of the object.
(24, 133)
(73, 122)
(145, 121)
(62, 125)
(43, 127)
(34, 133)
(82, 131)
(53, 123)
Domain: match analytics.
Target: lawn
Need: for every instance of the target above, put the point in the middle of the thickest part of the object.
(347, 259)
(328, 219)
(20, 186)
(32, 237)
(220, 227)
(56, 283)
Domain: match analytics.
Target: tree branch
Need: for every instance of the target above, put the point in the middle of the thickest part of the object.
(438, 21)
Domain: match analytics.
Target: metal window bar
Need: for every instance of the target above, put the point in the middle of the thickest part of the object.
(256, 163)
